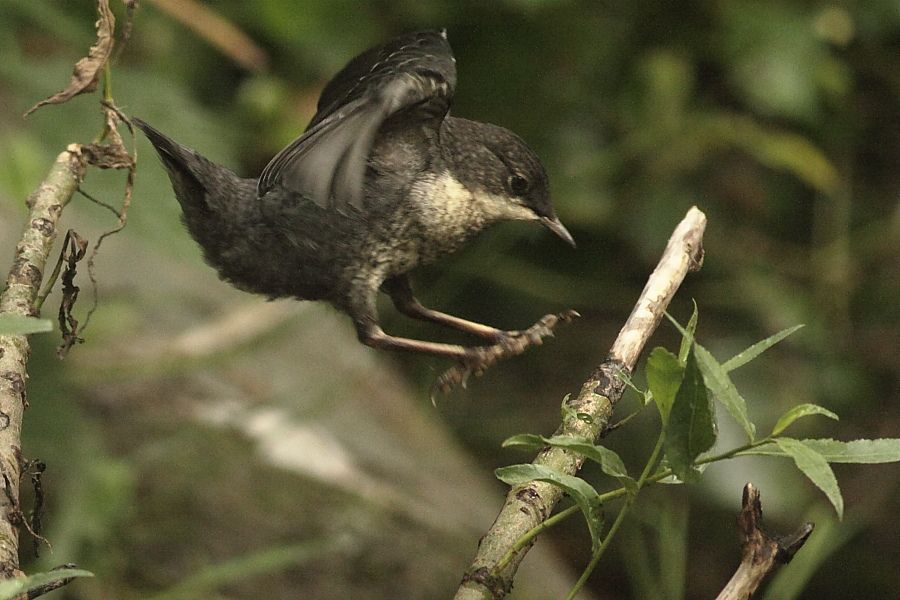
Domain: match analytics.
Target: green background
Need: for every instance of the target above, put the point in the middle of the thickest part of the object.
(205, 444)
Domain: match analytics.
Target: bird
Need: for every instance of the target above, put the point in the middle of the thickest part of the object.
(382, 180)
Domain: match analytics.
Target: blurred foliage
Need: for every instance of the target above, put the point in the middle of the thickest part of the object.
(781, 120)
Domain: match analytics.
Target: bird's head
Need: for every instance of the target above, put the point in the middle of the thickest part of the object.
(504, 175)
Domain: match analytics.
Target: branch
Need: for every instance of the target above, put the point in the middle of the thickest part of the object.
(527, 506)
(22, 286)
(761, 552)
(218, 31)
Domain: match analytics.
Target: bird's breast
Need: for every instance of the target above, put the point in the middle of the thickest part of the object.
(445, 214)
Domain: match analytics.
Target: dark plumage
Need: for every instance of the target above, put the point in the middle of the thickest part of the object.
(383, 180)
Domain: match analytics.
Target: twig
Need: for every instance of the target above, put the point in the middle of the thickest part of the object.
(22, 286)
(761, 553)
(218, 31)
(531, 504)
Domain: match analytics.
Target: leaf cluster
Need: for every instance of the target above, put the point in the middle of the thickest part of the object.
(686, 388)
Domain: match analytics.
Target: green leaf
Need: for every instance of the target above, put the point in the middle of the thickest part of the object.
(12, 324)
(720, 384)
(584, 495)
(14, 587)
(816, 468)
(878, 451)
(687, 337)
(525, 441)
(798, 412)
(742, 358)
(692, 428)
(610, 462)
(664, 375)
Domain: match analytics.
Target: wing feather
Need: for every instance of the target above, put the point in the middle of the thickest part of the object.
(415, 73)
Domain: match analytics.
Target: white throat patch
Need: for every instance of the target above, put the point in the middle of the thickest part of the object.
(480, 205)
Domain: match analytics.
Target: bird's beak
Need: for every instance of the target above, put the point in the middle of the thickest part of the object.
(559, 229)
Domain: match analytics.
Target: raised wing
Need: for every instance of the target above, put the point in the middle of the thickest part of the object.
(415, 73)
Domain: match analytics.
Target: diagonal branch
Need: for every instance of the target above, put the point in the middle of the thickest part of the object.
(527, 506)
(22, 286)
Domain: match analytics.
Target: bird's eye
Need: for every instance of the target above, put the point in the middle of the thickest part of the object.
(518, 185)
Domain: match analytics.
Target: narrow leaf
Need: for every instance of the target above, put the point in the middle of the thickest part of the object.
(687, 337)
(664, 374)
(11, 324)
(816, 468)
(15, 587)
(524, 441)
(610, 462)
(584, 495)
(720, 384)
(742, 358)
(798, 412)
(691, 429)
(878, 451)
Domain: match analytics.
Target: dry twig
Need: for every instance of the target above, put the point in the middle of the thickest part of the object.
(761, 552)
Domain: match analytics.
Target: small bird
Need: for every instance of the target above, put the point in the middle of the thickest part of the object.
(381, 181)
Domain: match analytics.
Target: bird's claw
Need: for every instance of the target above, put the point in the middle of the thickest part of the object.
(512, 343)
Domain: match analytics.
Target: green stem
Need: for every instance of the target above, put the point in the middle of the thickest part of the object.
(555, 520)
(48, 286)
(600, 550)
(654, 457)
(629, 501)
(730, 453)
(532, 533)
(709, 459)
(107, 97)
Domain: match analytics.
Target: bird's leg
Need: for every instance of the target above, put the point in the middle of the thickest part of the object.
(401, 294)
(471, 359)
(371, 334)
(512, 344)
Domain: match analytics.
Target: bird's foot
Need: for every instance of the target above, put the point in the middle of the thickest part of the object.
(511, 343)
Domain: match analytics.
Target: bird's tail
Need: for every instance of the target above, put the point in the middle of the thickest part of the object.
(182, 163)
(174, 155)
(200, 185)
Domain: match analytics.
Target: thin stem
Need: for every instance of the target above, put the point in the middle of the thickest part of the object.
(629, 501)
(730, 453)
(555, 520)
(654, 457)
(623, 421)
(107, 97)
(599, 553)
(533, 533)
(48, 285)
